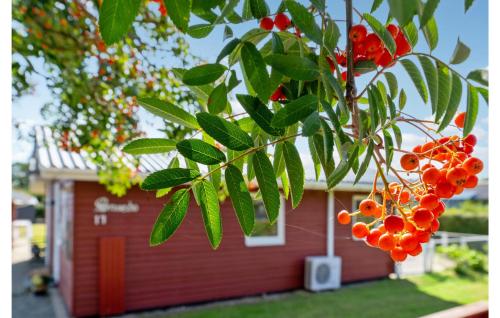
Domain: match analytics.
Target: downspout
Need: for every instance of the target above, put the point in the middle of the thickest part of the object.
(330, 225)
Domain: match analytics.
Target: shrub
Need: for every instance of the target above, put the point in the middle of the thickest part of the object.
(475, 224)
(468, 261)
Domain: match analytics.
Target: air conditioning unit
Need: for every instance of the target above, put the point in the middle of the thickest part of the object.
(322, 273)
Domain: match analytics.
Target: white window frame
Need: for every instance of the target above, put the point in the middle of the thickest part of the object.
(275, 240)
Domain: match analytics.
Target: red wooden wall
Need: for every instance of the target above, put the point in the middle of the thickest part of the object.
(186, 270)
(111, 275)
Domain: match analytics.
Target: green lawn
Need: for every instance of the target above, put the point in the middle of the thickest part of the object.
(410, 297)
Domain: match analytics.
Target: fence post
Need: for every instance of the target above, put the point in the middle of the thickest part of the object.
(444, 239)
(463, 242)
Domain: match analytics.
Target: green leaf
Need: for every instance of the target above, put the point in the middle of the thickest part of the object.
(240, 198)
(228, 33)
(374, 116)
(363, 67)
(217, 101)
(479, 76)
(342, 169)
(484, 92)
(169, 112)
(202, 92)
(314, 157)
(431, 75)
(381, 94)
(319, 4)
(444, 90)
(411, 33)
(260, 113)
(278, 160)
(178, 12)
(366, 162)
(382, 32)
(267, 183)
(170, 218)
(334, 118)
(319, 149)
(294, 66)
(460, 54)
(402, 99)
(295, 110)
(116, 17)
(199, 31)
(200, 151)
(259, 8)
(225, 132)
(331, 37)
(392, 107)
(227, 49)
(295, 172)
(375, 5)
(416, 77)
(210, 211)
(311, 125)
(149, 145)
(455, 97)
(468, 4)
(255, 70)
(163, 192)
(328, 139)
(428, 13)
(403, 11)
(472, 109)
(277, 44)
(431, 33)
(398, 135)
(226, 10)
(389, 148)
(168, 178)
(304, 19)
(392, 82)
(203, 74)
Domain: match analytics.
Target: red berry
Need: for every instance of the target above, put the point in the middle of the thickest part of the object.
(343, 217)
(416, 251)
(373, 43)
(360, 230)
(394, 30)
(470, 140)
(431, 176)
(402, 45)
(386, 242)
(423, 217)
(460, 120)
(373, 237)
(473, 165)
(385, 59)
(278, 94)
(429, 201)
(398, 255)
(471, 182)
(282, 22)
(408, 242)
(266, 23)
(357, 33)
(394, 223)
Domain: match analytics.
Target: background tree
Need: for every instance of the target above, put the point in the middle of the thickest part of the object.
(301, 84)
(94, 85)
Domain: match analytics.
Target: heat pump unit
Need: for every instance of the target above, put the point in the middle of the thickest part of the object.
(322, 273)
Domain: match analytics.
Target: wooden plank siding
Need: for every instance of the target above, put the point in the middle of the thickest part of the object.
(186, 270)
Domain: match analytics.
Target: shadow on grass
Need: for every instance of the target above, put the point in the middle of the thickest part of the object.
(389, 298)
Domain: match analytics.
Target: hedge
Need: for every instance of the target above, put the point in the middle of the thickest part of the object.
(474, 224)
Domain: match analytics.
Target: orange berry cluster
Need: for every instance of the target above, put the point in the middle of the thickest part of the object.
(410, 210)
(369, 47)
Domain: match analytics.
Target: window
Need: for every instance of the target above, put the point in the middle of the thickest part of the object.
(356, 201)
(265, 234)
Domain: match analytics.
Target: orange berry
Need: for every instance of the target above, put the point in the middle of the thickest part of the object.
(423, 236)
(357, 33)
(435, 225)
(473, 165)
(429, 201)
(382, 229)
(367, 207)
(343, 217)
(410, 227)
(416, 251)
(266, 23)
(404, 197)
(408, 242)
(459, 189)
(373, 237)
(386, 242)
(457, 176)
(398, 254)
(409, 161)
(423, 217)
(471, 182)
(445, 190)
(460, 120)
(431, 176)
(360, 230)
(439, 210)
(394, 223)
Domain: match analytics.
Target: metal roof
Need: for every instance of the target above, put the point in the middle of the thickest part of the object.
(49, 162)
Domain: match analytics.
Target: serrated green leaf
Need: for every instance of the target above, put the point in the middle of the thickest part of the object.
(240, 198)
(304, 20)
(328, 166)
(294, 111)
(200, 151)
(428, 12)
(366, 162)
(199, 31)
(392, 108)
(379, 102)
(479, 76)
(311, 125)
(382, 32)
(319, 4)
(460, 54)
(389, 148)
(334, 118)
(278, 160)
(169, 112)
(148, 146)
(202, 92)
(295, 172)
(217, 101)
(178, 12)
(392, 82)
(228, 49)
(226, 11)
(210, 211)
(472, 109)
(375, 5)
(225, 132)
(467, 5)
(484, 92)
(342, 169)
(294, 66)
(259, 8)
(315, 158)
(328, 139)
(363, 67)
(255, 70)
(331, 36)
(259, 112)
(203, 74)
(374, 116)
(170, 218)
(329, 79)
(416, 77)
(168, 178)
(403, 11)
(277, 44)
(444, 91)
(397, 135)
(228, 33)
(402, 99)
(431, 33)
(116, 17)
(411, 33)
(267, 184)
(431, 76)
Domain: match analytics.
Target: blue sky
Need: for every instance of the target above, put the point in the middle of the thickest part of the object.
(472, 28)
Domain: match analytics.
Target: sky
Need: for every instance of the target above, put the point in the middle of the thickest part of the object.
(472, 28)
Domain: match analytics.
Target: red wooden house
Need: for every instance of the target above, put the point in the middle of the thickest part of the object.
(99, 255)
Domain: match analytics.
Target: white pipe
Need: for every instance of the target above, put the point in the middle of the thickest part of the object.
(330, 228)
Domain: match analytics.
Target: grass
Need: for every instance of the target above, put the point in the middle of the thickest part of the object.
(410, 297)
